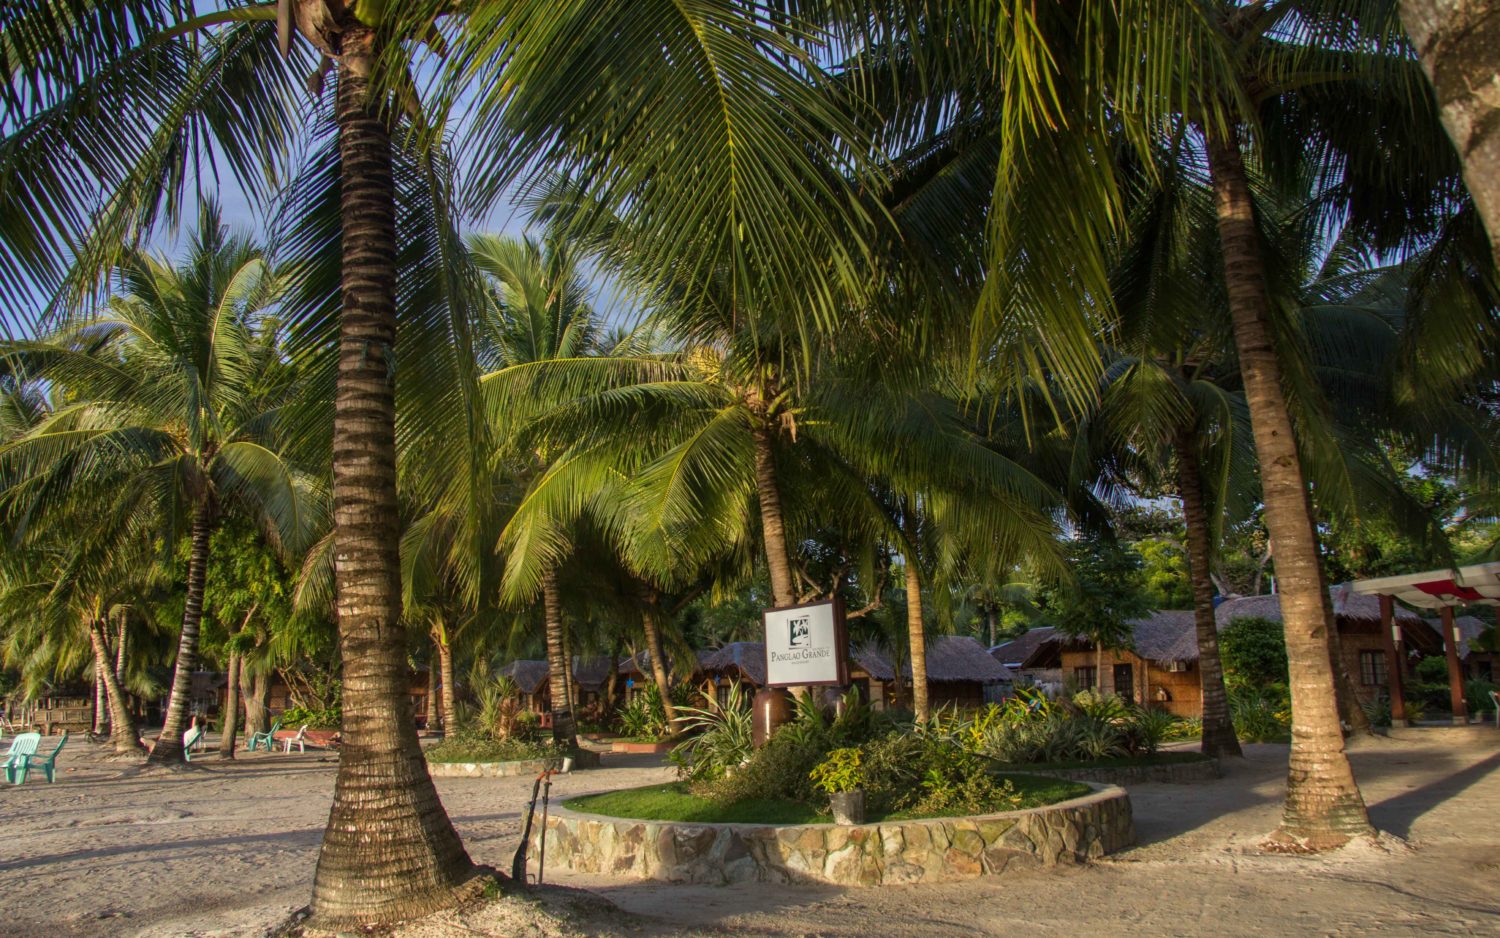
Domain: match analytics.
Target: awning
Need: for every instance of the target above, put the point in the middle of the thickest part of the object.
(1436, 589)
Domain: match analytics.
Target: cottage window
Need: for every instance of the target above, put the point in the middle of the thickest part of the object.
(1372, 671)
(1086, 677)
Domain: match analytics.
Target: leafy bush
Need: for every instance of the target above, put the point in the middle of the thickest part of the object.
(1147, 729)
(1432, 670)
(327, 718)
(1253, 652)
(1261, 714)
(471, 745)
(839, 773)
(1477, 695)
(719, 740)
(644, 716)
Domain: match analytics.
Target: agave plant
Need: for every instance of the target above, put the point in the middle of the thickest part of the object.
(719, 738)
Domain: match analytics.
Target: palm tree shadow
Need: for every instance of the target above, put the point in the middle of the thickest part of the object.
(1397, 814)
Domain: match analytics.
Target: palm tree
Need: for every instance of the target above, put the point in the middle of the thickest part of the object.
(1455, 43)
(708, 80)
(167, 396)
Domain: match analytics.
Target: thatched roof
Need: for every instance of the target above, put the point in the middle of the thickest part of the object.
(747, 658)
(949, 658)
(1347, 604)
(1166, 635)
(528, 674)
(591, 672)
(1013, 654)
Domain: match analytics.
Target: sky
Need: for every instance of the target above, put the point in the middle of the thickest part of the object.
(242, 216)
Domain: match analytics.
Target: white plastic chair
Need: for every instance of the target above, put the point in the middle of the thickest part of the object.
(300, 740)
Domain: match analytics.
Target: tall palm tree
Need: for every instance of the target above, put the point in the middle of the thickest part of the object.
(707, 79)
(1455, 42)
(167, 395)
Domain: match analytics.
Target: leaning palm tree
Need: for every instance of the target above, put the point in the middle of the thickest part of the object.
(165, 394)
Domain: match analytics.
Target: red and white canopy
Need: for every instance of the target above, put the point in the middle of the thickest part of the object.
(1463, 586)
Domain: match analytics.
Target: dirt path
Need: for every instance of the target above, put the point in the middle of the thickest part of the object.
(228, 849)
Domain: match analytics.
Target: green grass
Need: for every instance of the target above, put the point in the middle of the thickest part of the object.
(674, 802)
(1160, 758)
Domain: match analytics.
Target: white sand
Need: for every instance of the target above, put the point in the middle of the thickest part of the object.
(228, 848)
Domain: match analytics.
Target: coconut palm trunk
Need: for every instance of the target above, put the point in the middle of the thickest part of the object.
(1323, 806)
(564, 730)
(916, 632)
(168, 748)
(783, 591)
(1218, 727)
(123, 731)
(1458, 42)
(231, 707)
(658, 660)
(448, 700)
(389, 851)
(255, 690)
(101, 702)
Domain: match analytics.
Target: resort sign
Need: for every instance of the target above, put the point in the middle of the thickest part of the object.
(806, 644)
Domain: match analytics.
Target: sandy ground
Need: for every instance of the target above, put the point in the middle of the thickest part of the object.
(228, 848)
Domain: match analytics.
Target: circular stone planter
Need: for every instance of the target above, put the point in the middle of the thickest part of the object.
(487, 769)
(935, 850)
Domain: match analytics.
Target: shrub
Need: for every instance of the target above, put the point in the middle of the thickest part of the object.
(472, 745)
(838, 773)
(1253, 651)
(1147, 729)
(720, 739)
(327, 718)
(1432, 670)
(645, 716)
(1261, 714)
(1477, 695)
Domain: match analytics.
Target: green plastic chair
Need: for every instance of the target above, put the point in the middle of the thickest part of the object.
(18, 759)
(190, 739)
(267, 738)
(47, 763)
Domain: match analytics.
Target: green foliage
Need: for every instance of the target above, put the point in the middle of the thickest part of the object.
(839, 773)
(1433, 670)
(323, 719)
(719, 738)
(471, 745)
(1088, 728)
(1253, 651)
(1164, 573)
(1261, 714)
(645, 717)
(1105, 592)
(1477, 695)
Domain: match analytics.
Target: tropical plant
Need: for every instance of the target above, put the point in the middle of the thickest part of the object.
(719, 740)
(167, 402)
(840, 772)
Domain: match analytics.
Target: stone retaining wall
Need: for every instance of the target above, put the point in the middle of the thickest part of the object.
(864, 855)
(486, 769)
(1169, 773)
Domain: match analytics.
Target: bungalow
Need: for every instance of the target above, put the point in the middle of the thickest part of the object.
(1013, 655)
(1361, 643)
(1160, 668)
(959, 672)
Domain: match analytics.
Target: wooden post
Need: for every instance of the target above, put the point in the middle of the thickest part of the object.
(1392, 660)
(1455, 675)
